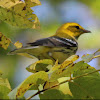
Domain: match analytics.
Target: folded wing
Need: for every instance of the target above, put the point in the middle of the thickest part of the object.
(54, 42)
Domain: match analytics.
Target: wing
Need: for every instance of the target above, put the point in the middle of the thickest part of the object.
(54, 42)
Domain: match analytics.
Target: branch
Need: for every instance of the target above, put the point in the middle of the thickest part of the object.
(61, 83)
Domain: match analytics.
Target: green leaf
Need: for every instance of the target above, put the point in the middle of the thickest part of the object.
(19, 13)
(40, 87)
(1, 73)
(88, 57)
(41, 65)
(52, 94)
(84, 68)
(33, 80)
(85, 87)
(67, 96)
(65, 72)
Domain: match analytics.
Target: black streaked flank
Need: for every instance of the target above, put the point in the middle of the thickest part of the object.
(54, 42)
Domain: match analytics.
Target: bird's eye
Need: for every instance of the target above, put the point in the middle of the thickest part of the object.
(77, 27)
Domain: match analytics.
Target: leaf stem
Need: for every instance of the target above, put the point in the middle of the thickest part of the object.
(61, 83)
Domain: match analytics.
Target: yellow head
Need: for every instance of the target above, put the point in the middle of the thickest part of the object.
(70, 30)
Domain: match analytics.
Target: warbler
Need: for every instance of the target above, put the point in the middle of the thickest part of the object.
(60, 46)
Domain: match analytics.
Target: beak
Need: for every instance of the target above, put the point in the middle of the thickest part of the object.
(85, 31)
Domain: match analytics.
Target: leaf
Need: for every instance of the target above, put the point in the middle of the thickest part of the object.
(4, 92)
(67, 96)
(87, 58)
(33, 80)
(40, 65)
(69, 61)
(4, 88)
(13, 1)
(31, 3)
(70, 69)
(40, 87)
(1, 73)
(18, 44)
(66, 63)
(52, 94)
(65, 86)
(5, 82)
(4, 41)
(84, 68)
(86, 87)
(19, 13)
(55, 67)
(50, 84)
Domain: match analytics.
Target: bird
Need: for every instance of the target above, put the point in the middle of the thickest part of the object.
(59, 46)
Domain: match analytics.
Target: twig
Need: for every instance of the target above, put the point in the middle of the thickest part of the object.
(97, 51)
(96, 56)
(61, 83)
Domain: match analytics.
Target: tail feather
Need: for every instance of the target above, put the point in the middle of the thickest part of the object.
(29, 50)
(15, 51)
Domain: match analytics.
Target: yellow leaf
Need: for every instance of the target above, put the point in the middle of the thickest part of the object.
(18, 44)
(13, 1)
(64, 87)
(8, 3)
(69, 61)
(65, 69)
(31, 3)
(56, 66)
(5, 82)
(4, 88)
(33, 80)
(50, 84)
(4, 41)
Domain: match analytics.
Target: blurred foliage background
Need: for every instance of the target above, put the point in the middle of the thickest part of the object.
(52, 14)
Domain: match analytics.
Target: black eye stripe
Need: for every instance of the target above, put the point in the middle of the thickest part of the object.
(77, 27)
